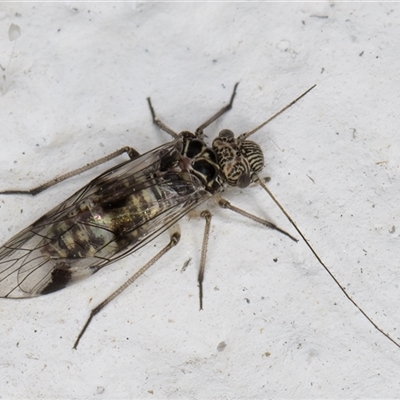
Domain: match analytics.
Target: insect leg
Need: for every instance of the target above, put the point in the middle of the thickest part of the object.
(207, 216)
(159, 123)
(226, 204)
(223, 110)
(175, 237)
(132, 153)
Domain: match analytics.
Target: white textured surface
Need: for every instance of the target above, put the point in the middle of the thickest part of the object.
(76, 90)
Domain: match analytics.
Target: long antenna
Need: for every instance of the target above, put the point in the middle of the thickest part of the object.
(245, 135)
(260, 182)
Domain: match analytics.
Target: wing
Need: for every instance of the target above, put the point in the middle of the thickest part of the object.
(118, 212)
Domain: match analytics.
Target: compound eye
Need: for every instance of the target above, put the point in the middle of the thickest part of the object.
(226, 134)
(243, 180)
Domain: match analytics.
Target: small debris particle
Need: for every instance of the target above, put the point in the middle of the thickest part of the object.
(221, 346)
(311, 179)
(100, 390)
(185, 265)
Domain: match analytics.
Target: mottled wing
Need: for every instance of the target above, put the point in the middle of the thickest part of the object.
(115, 214)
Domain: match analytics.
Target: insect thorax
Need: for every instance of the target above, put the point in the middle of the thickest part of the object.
(202, 162)
(238, 159)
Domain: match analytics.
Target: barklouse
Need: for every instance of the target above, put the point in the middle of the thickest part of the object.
(130, 204)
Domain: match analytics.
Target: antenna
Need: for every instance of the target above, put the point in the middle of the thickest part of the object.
(261, 183)
(245, 135)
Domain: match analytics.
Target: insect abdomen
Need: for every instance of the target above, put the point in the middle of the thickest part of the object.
(101, 229)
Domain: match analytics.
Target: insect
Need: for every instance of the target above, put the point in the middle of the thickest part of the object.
(129, 205)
